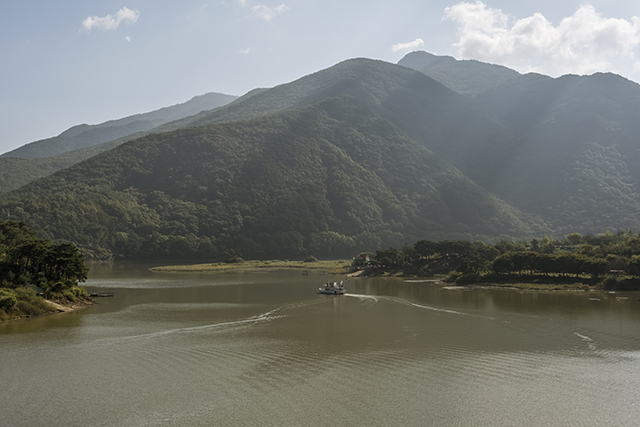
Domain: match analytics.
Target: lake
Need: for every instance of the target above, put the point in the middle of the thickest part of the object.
(268, 350)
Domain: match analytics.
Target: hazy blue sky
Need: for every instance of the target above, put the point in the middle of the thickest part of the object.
(69, 62)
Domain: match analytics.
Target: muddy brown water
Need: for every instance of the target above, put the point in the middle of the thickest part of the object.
(267, 349)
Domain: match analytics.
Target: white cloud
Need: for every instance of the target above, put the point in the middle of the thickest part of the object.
(417, 43)
(111, 22)
(245, 52)
(128, 38)
(582, 43)
(268, 13)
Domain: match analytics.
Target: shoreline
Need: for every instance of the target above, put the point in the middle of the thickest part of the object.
(70, 306)
(340, 267)
(48, 308)
(326, 266)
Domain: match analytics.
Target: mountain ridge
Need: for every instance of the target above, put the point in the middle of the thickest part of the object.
(355, 157)
(325, 177)
(84, 135)
(468, 77)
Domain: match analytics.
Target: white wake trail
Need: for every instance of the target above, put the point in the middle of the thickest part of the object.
(425, 307)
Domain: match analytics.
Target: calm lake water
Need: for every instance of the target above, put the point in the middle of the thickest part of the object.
(268, 350)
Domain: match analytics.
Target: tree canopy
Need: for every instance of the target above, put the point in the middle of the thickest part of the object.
(26, 259)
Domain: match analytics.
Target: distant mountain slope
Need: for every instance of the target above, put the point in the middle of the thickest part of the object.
(447, 123)
(426, 110)
(572, 145)
(468, 77)
(365, 154)
(16, 172)
(575, 157)
(83, 136)
(330, 178)
(377, 83)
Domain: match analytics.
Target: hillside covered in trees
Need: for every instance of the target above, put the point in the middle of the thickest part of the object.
(609, 261)
(42, 158)
(572, 147)
(27, 260)
(360, 156)
(328, 178)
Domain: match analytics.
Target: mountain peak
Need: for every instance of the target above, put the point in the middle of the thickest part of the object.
(84, 135)
(419, 59)
(468, 77)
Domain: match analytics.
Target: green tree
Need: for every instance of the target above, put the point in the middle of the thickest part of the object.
(634, 266)
(232, 257)
(575, 239)
(389, 257)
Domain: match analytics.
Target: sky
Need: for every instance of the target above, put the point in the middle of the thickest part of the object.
(67, 62)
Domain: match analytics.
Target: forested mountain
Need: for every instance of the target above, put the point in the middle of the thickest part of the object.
(16, 172)
(330, 178)
(422, 108)
(574, 159)
(42, 158)
(84, 135)
(360, 156)
(468, 77)
(572, 146)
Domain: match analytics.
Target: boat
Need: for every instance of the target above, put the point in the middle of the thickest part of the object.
(334, 288)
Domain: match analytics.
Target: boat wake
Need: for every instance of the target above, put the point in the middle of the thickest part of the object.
(276, 313)
(376, 298)
(363, 297)
(590, 343)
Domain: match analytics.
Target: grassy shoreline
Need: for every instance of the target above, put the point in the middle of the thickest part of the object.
(343, 267)
(22, 303)
(524, 286)
(328, 266)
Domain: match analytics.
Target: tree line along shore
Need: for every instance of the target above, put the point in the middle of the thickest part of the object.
(609, 261)
(35, 272)
(38, 276)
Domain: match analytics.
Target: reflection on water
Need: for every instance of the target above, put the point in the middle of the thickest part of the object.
(266, 349)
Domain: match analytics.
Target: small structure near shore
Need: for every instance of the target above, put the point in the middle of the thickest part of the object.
(102, 295)
(362, 260)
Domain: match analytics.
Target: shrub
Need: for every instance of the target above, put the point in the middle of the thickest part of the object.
(452, 277)
(613, 283)
(610, 283)
(74, 293)
(467, 279)
(29, 304)
(27, 309)
(491, 277)
(7, 302)
(232, 257)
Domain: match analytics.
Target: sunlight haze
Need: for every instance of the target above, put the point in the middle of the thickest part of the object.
(67, 63)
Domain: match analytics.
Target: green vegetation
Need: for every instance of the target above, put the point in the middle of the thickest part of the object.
(361, 156)
(16, 172)
(43, 158)
(84, 135)
(21, 302)
(468, 77)
(609, 261)
(331, 267)
(233, 257)
(572, 159)
(571, 143)
(26, 260)
(331, 179)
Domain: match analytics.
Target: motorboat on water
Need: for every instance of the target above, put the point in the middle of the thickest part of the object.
(334, 288)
